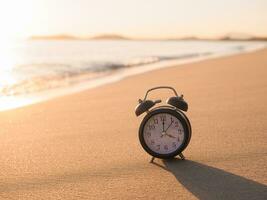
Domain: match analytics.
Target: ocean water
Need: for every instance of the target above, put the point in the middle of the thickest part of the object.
(32, 71)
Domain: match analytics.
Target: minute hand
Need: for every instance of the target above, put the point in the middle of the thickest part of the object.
(168, 127)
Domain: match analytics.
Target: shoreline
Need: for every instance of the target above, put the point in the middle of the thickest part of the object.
(13, 102)
(85, 145)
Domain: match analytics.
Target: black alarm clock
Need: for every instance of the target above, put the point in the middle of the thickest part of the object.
(165, 131)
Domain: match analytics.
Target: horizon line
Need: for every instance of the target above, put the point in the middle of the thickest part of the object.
(115, 36)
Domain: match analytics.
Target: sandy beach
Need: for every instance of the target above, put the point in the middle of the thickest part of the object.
(85, 145)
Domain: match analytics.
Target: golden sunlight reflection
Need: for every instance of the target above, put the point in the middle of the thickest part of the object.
(7, 62)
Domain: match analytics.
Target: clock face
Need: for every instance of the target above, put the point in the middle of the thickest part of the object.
(163, 133)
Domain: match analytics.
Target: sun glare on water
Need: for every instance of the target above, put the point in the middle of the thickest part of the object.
(7, 63)
(14, 20)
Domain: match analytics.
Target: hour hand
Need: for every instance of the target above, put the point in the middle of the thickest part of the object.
(170, 135)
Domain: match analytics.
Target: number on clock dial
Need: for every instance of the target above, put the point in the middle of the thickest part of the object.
(163, 118)
(151, 127)
(148, 134)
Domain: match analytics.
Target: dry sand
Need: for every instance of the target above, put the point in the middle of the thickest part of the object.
(85, 146)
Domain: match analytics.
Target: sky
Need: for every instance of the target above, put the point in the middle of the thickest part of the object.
(133, 18)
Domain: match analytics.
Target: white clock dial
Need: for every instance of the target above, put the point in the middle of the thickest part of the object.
(163, 133)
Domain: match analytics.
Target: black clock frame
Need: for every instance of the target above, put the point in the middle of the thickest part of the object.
(181, 117)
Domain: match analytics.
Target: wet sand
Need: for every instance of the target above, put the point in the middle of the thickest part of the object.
(85, 145)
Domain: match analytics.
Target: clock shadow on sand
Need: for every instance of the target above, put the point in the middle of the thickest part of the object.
(206, 182)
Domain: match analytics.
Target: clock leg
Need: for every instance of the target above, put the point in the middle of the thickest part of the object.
(181, 156)
(152, 159)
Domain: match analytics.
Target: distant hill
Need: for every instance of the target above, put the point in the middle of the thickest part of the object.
(236, 36)
(54, 37)
(226, 38)
(110, 37)
(242, 37)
